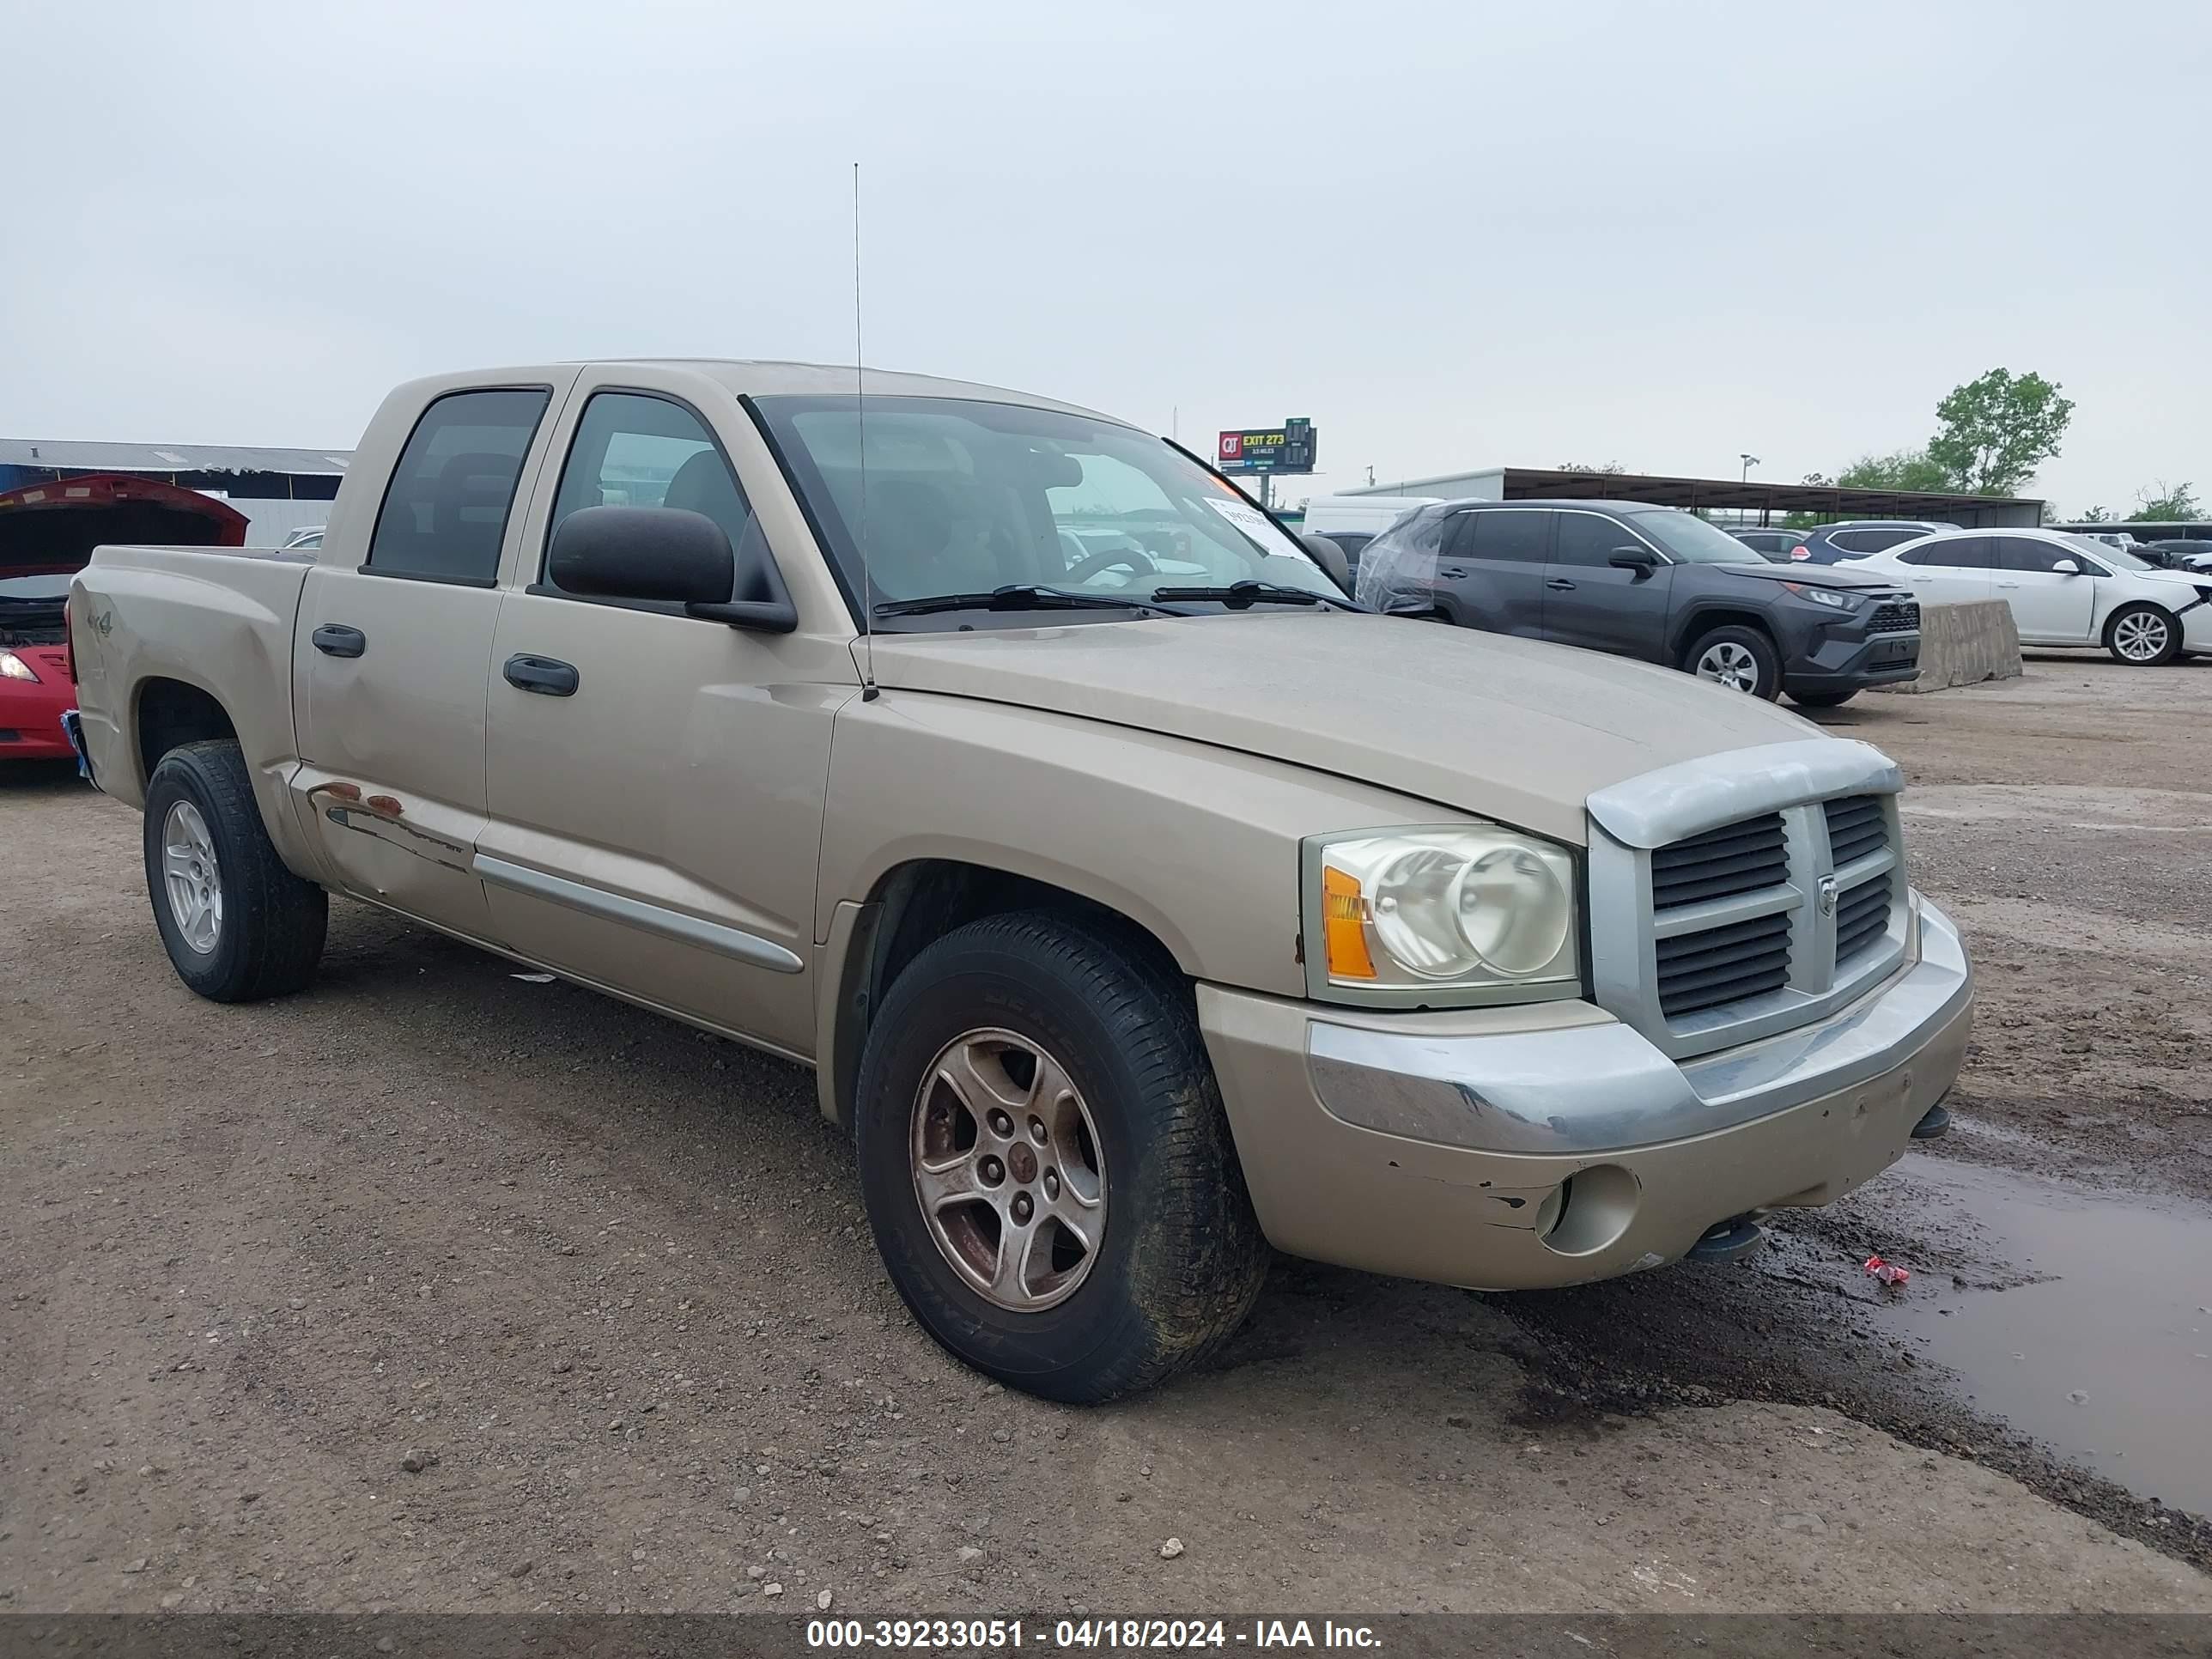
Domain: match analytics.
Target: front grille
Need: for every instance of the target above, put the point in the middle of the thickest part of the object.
(1724, 964)
(1896, 617)
(1857, 827)
(1736, 858)
(1862, 917)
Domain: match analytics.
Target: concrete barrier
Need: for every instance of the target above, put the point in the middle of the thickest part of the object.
(1964, 645)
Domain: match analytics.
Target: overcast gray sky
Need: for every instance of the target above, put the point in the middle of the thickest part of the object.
(1453, 235)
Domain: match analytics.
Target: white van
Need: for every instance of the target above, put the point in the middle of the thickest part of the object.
(1352, 521)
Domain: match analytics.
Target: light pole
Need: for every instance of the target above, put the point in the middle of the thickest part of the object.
(1749, 462)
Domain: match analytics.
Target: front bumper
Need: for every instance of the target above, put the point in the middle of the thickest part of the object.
(31, 720)
(1842, 659)
(1506, 1149)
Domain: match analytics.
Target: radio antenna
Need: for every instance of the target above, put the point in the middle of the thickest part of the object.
(869, 692)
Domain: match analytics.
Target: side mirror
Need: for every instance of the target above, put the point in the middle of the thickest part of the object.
(2066, 568)
(670, 557)
(1330, 557)
(1642, 560)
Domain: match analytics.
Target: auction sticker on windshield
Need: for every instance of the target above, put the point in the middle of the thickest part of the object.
(1247, 518)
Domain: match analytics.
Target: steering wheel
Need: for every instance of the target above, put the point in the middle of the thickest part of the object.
(1137, 562)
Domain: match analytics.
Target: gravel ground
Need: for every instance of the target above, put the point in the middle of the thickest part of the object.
(434, 1289)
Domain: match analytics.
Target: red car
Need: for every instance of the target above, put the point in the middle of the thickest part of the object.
(47, 532)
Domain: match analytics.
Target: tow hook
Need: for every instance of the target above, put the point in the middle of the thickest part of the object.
(1728, 1241)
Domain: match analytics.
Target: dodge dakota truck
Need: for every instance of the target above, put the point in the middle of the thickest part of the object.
(1139, 901)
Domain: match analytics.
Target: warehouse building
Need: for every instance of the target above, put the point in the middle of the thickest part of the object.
(277, 490)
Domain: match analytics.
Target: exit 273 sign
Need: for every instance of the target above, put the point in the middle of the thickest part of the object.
(1286, 448)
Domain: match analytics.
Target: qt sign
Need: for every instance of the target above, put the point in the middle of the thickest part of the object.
(1289, 447)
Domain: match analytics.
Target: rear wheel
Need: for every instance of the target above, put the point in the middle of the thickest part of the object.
(1823, 699)
(1045, 1160)
(238, 925)
(1741, 658)
(2143, 635)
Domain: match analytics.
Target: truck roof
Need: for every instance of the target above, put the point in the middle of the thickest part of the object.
(766, 378)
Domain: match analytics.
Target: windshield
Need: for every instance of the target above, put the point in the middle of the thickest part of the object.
(965, 497)
(2111, 554)
(1687, 538)
(34, 589)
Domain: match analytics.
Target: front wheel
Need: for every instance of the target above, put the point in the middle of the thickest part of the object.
(2142, 636)
(238, 925)
(1045, 1161)
(1823, 699)
(1741, 658)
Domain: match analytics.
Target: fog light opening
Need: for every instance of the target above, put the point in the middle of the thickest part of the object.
(1554, 1206)
(1594, 1208)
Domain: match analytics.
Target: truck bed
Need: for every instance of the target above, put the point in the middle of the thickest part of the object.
(219, 619)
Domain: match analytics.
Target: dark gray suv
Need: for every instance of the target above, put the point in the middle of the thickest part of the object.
(1648, 582)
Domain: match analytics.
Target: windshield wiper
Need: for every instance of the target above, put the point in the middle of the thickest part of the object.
(1019, 596)
(1238, 595)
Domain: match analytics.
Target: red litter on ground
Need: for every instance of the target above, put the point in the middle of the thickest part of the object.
(1888, 1272)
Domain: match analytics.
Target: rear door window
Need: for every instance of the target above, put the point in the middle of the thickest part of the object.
(1511, 535)
(1963, 553)
(1877, 540)
(445, 510)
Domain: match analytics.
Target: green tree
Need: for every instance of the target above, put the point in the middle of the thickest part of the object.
(1609, 467)
(1996, 430)
(2168, 503)
(1902, 469)
(2089, 515)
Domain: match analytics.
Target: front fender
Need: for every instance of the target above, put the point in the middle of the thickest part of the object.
(1198, 845)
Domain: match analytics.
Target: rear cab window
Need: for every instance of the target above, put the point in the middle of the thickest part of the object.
(446, 509)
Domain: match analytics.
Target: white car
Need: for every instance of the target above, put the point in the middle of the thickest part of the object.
(2063, 588)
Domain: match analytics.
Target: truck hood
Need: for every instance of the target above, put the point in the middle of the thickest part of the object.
(1813, 575)
(1502, 728)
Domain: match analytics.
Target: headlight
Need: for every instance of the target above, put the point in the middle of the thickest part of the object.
(1458, 915)
(1827, 596)
(13, 667)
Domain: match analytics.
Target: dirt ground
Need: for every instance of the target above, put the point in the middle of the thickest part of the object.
(435, 1289)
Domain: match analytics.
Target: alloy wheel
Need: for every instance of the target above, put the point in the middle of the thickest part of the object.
(1008, 1170)
(2142, 637)
(192, 876)
(1731, 665)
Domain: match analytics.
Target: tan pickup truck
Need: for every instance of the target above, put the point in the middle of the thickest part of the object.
(1138, 900)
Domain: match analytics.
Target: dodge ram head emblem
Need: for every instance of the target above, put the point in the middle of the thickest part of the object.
(1827, 895)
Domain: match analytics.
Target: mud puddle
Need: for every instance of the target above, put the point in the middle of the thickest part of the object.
(2105, 1352)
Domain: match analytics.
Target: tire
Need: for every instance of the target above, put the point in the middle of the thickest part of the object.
(1176, 1258)
(267, 931)
(2144, 621)
(1730, 646)
(1823, 699)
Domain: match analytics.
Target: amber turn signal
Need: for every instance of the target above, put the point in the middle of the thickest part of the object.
(1344, 926)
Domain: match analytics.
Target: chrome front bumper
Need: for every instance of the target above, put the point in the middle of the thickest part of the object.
(1458, 1147)
(1604, 1088)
